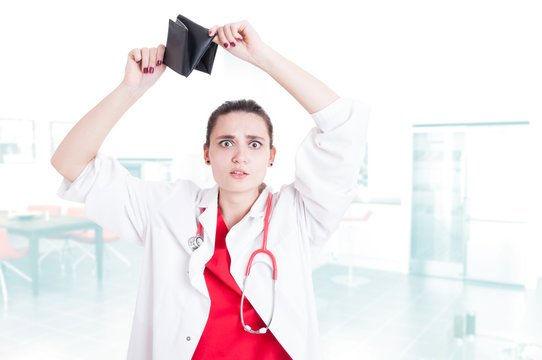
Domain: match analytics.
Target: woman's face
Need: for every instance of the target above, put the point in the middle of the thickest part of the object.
(239, 151)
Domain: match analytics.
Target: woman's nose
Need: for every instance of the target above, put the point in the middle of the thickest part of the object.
(240, 156)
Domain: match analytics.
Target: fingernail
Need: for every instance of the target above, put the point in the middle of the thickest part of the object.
(158, 63)
(145, 70)
(226, 45)
(210, 32)
(232, 44)
(151, 70)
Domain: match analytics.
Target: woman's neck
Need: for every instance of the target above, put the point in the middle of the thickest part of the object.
(234, 206)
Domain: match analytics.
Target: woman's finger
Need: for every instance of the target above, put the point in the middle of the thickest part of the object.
(145, 60)
(160, 51)
(152, 60)
(229, 37)
(223, 40)
(212, 30)
(236, 30)
(135, 55)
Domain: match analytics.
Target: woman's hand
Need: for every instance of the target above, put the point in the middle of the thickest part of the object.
(144, 67)
(241, 40)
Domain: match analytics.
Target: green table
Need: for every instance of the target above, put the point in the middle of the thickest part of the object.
(40, 227)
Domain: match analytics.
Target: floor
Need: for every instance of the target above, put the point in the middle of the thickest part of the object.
(363, 314)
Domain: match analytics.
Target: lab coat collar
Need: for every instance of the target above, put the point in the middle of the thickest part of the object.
(258, 208)
(209, 200)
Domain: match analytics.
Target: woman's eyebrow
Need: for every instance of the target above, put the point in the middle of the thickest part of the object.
(225, 137)
(231, 137)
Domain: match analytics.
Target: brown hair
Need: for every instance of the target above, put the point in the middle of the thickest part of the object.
(249, 106)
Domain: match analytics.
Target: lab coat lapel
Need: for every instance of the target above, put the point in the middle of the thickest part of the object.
(243, 237)
(203, 254)
(243, 241)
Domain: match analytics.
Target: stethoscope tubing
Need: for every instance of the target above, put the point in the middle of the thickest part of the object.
(264, 245)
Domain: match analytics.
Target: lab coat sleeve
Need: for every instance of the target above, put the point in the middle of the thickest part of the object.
(327, 166)
(113, 198)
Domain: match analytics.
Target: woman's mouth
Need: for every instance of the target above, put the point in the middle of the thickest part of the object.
(238, 174)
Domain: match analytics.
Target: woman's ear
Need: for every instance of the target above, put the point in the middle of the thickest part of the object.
(206, 154)
(272, 154)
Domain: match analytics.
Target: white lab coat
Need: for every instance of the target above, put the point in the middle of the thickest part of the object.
(173, 302)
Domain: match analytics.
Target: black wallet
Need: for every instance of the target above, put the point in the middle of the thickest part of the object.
(189, 47)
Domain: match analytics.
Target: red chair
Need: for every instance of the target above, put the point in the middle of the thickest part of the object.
(7, 252)
(87, 237)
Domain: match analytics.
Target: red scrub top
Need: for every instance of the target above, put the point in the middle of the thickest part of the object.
(224, 336)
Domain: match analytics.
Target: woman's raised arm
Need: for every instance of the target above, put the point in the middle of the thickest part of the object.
(80, 146)
(243, 41)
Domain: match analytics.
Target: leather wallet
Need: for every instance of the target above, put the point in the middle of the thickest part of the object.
(189, 47)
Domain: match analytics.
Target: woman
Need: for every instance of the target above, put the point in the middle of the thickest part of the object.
(189, 300)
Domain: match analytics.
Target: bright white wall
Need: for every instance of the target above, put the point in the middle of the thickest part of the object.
(415, 61)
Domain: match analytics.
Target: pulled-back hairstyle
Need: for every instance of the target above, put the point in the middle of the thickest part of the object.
(249, 106)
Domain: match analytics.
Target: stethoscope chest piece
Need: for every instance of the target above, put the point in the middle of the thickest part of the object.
(195, 242)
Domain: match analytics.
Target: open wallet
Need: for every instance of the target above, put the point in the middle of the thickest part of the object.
(189, 47)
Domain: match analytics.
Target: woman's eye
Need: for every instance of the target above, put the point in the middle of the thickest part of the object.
(255, 144)
(225, 143)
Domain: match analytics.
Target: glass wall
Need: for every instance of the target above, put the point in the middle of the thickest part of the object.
(470, 201)
(438, 203)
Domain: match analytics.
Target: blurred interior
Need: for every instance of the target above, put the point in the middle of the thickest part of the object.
(438, 256)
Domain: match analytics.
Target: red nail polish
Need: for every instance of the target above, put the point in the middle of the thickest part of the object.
(232, 44)
(158, 63)
(145, 70)
(151, 70)
(226, 45)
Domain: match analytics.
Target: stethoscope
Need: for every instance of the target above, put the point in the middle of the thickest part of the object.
(195, 242)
